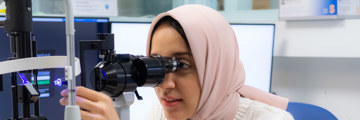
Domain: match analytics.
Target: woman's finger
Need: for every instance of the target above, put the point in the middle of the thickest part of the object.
(85, 115)
(63, 101)
(83, 104)
(86, 93)
(91, 94)
(88, 105)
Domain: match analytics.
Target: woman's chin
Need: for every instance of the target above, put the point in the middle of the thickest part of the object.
(175, 115)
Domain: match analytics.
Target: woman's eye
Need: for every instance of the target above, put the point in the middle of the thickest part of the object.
(184, 65)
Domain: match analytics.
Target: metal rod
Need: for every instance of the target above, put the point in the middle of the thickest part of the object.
(25, 107)
(35, 73)
(1, 83)
(71, 82)
(70, 40)
(72, 111)
(14, 95)
(83, 71)
(23, 45)
(36, 104)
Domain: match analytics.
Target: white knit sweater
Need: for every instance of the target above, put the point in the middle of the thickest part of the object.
(248, 110)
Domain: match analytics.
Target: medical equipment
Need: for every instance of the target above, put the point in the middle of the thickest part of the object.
(24, 62)
(118, 75)
(18, 24)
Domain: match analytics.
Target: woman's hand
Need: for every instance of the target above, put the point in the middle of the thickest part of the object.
(94, 105)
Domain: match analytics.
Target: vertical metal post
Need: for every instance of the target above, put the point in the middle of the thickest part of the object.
(36, 104)
(1, 83)
(14, 95)
(70, 46)
(72, 111)
(35, 74)
(25, 106)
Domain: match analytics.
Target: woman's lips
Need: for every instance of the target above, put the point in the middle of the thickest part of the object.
(171, 101)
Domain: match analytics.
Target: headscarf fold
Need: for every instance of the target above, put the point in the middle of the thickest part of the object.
(215, 51)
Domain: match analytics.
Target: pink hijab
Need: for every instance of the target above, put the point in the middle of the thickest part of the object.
(215, 51)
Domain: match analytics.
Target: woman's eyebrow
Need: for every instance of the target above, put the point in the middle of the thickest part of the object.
(175, 54)
(181, 53)
(154, 54)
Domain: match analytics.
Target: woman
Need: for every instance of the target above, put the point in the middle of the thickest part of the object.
(210, 85)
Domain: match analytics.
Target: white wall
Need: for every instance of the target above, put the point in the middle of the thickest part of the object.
(318, 62)
(331, 83)
(320, 38)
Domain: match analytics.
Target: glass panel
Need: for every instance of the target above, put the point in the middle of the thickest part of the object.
(235, 5)
(48, 7)
(139, 8)
(244, 10)
(146, 10)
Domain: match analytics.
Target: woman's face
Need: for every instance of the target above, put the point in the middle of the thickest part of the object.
(180, 91)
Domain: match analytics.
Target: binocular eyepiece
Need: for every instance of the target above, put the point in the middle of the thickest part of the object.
(118, 73)
(123, 72)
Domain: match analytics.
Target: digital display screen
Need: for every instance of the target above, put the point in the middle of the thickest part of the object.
(130, 37)
(43, 80)
(256, 42)
(44, 76)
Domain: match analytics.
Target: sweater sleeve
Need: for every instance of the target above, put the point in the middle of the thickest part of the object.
(156, 113)
(254, 110)
(248, 110)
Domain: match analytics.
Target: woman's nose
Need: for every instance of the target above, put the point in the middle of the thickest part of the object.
(168, 81)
